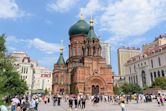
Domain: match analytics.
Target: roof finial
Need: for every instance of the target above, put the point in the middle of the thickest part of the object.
(61, 48)
(91, 21)
(81, 15)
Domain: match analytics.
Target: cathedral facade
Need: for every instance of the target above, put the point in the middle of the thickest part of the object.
(85, 71)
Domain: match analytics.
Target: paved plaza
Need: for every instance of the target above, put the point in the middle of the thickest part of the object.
(104, 106)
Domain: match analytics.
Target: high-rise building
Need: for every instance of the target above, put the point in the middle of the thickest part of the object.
(124, 54)
(106, 51)
(160, 40)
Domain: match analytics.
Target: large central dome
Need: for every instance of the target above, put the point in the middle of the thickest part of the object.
(80, 27)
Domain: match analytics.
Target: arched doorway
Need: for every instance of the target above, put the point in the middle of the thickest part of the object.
(95, 89)
(95, 85)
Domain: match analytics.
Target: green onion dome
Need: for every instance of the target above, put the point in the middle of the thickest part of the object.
(80, 27)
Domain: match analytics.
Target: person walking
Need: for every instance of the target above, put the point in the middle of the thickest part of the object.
(25, 105)
(37, 103)
(83, 102)
(32, 105)
(79, 101)
(122, 104)
(48, 99)
(54, 100)
(161, 100)
(70, 102)
(75, 102)
(59, 100)
(158, 100)
(45, 99)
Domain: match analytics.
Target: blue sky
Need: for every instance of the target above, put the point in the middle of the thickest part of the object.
(38, 26)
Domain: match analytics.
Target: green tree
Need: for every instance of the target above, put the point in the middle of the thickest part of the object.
(117, 90)
(46, 91)
(160, 82)
(128, 88)
(11, 83)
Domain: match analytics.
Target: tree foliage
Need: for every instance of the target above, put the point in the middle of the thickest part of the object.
(11, 83)
(131, 88)
(117, 90)
(46, 91)
(160, 82)
(128, 88)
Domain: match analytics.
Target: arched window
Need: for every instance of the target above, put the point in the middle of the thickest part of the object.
(143, 78)
(73, 52)
(94, 51)
(79, 51)
(154, 74)
(158, 73)
(162, 72)
(151, 75)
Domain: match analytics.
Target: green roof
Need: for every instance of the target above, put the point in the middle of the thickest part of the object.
(91, 33)
(80, 27)
(61, 59)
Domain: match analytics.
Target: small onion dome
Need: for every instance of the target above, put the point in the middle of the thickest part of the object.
(91, 33)
(61, 59)
(80, 27)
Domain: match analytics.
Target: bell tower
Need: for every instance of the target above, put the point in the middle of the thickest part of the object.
(92, 45)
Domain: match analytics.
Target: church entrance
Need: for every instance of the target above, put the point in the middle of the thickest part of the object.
(95, 89)
(95, 85)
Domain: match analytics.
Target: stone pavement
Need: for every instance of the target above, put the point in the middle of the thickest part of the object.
(104, 107)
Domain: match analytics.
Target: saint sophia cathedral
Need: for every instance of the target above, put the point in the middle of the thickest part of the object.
(85, 71)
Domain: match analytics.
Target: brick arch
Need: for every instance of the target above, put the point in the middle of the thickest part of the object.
(95, 80)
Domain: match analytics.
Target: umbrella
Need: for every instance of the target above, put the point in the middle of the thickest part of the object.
(3, 108)
(73, 95)
(16, 100)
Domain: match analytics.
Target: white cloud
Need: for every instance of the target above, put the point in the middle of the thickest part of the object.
(61, 5)
(45, 46)
(48, 61)
(9, 9)
(39, 44)
(91, 8)
(133, 17)
(126, 18)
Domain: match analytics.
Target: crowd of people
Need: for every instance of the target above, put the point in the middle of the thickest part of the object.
(23, 103)
(74, 101)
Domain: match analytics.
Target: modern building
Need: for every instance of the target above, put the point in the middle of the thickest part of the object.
(144, 68)
(106, 51)
(85, 71)
(25, 66)
(161, 40)
(125, 53)
(42, 79)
